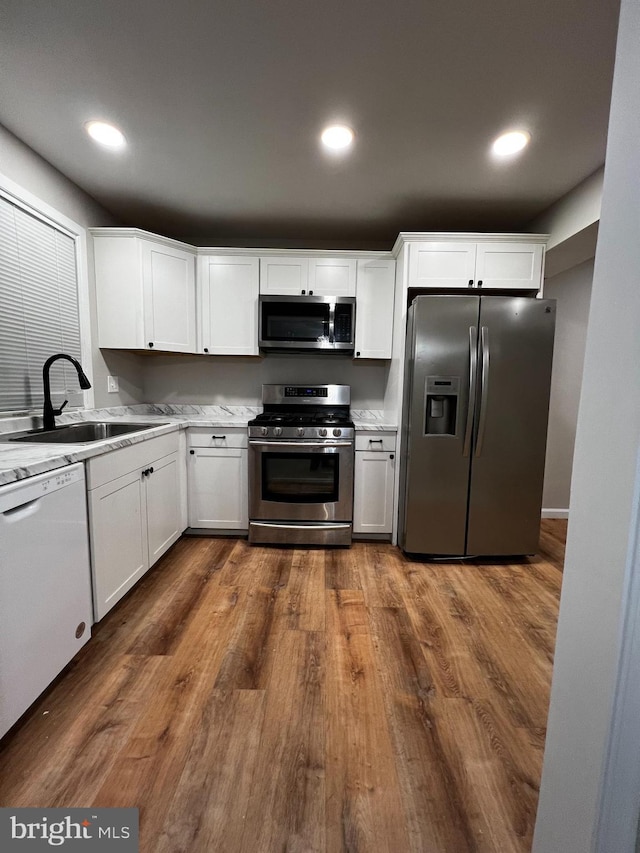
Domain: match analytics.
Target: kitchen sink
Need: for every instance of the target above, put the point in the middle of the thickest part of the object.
(80, 433)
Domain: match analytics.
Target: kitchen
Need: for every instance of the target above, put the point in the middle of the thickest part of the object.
(135, 371)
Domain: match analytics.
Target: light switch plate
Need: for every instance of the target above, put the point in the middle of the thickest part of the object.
(112, 384)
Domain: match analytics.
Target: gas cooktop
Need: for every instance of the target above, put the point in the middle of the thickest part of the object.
(304, 412)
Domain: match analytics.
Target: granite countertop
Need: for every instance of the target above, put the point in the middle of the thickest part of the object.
(18, 461)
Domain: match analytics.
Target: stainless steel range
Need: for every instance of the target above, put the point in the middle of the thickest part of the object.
(301, 457)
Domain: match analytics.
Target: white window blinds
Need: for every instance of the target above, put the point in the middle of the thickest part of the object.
(38, 308)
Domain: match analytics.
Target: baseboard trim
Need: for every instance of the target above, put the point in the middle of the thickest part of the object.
(554, 513)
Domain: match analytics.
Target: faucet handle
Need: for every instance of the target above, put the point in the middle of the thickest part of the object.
(59, 411)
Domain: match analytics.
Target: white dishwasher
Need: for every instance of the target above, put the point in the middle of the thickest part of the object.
(45, 585)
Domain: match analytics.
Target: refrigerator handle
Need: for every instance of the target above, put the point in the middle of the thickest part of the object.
(484, 387)
(473, 372)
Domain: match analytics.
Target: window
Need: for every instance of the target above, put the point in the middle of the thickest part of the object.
(38, 308)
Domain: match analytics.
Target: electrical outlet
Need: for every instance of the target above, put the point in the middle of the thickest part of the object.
(112, 384)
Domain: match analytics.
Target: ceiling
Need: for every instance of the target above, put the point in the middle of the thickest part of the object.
(222, 103)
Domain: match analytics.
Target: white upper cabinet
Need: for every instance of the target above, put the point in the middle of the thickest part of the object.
(169, 298)
(509, 265)
(228, 288)
(490, 264)
(145, 292)
(442, 264)
(374, 308)
(290, 275)
(332, 277)
(284, 276)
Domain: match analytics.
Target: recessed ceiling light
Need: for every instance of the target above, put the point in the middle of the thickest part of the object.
(511, 143)
(105, 134)
(338, 137)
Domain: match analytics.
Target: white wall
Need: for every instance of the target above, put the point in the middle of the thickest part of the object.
(604, 518)
(23, 166)
(238, 381)
(572, 225)
(572, 292)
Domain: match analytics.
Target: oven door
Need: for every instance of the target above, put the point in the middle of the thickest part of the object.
(301, 481)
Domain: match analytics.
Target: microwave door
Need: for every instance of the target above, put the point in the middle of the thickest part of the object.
(307, 323)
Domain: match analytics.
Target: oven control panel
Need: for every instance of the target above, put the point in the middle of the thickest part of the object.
(298, 391)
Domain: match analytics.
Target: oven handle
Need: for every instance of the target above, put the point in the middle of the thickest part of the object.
(299, 444)
(307, 526)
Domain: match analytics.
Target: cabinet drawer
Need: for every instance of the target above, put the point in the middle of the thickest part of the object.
(217, 437)
(371, 440)
(116, 463)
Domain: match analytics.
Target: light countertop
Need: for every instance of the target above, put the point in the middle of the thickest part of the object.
(18, 461)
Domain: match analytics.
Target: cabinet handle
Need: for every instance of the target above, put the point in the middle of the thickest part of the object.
(192, 452)
(219, 436)
(206, 349)
(310, 292)
(303, 292)
(470, 282)
(357, 354)
(480, 283)
(376, 441)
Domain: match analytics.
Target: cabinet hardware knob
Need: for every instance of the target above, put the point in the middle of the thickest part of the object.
(151, 470)
(145, 472)
(192, 452)
(470, 282)
(480, 283)
(151, 344)
(358, 353)
(219, 436)
(310, 292)
(303, 292)
(206, 349)
(391, 456)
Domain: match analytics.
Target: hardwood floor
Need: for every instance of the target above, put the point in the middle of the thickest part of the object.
(254, 700)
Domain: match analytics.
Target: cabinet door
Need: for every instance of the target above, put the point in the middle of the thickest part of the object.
(447, 264)
(163, 506)
(284, 276)
(509, 265)
(218, 488)
(119, 554)
(169, 298)
(332, 276)
(373, 492)
(374, 308)
(229, 288)
(119, 292)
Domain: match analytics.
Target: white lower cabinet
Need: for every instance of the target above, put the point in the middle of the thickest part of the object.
(373, 483)
(134, 517)
(217, 475)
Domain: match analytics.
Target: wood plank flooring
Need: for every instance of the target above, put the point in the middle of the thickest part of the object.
(257, 700)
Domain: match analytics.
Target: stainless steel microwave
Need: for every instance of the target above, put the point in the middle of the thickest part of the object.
(303, 323)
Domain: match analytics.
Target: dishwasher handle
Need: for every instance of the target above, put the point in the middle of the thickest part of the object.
(22, 511)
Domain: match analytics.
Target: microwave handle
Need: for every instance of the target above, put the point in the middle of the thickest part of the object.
(332, 322)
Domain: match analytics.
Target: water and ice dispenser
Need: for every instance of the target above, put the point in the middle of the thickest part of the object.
(441, 409)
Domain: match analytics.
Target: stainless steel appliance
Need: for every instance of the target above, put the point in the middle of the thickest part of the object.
(477, 377)
(301, 457)
(301, 323)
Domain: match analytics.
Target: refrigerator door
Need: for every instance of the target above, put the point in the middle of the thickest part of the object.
(436, 448)
(515, 352)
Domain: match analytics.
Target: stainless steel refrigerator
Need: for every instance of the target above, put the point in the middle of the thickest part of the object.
(476, 403)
